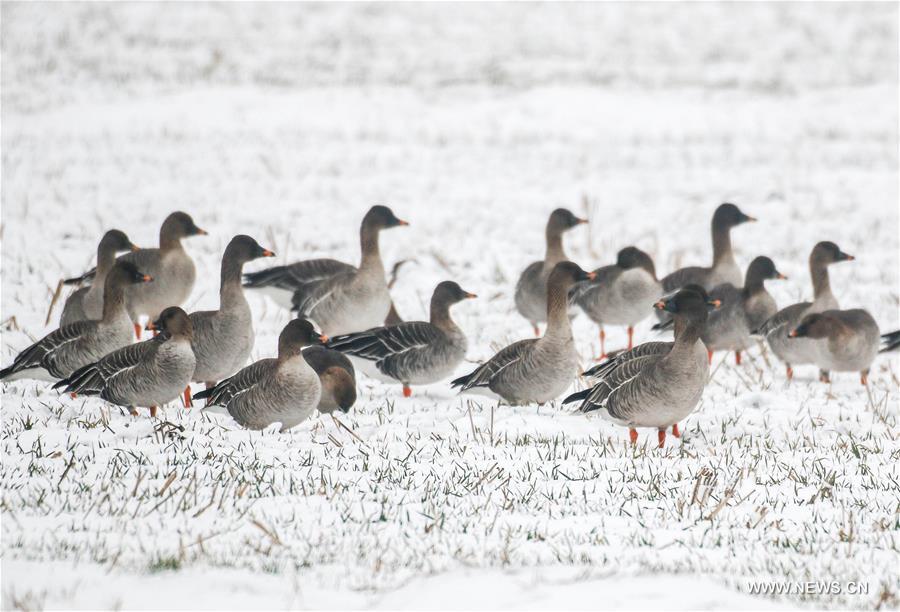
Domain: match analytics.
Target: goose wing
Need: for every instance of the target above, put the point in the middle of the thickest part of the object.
(783, 320)
(306, 298)
(380, 343)
(685, 276)
(94, 377)
(646, 349)
(483, 374)
(44, 352)
(618, 386)
(296, 276)
(243, 381)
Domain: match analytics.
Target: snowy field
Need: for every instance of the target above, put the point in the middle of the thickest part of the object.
(472, 122)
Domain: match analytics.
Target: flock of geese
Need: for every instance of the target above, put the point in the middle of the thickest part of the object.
(346, 321)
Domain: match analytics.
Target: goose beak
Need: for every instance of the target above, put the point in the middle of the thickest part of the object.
(402, 222)
(323, 338)
(147, 278)
(660, 305)
(780, 276)
(201, 232)
(715, 303)
(591, 276)
(793, 333)
(470, 296)
(135, 247)
(268, 253)
(846, 257)
(749, 219)
(579, 221)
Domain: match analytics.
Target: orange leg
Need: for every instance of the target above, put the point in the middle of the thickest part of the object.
(790, 372)
(407, 392)
(737, 358)
(137, 331)
(864, 377)
(709, 356)
(662, 438)
(630, 337)
(153, 411)
(602, 345)
(537, 330)
(675, 431)
(73, 395)
(632, 433)
(186, 400)
(132, 411)
(824, 376)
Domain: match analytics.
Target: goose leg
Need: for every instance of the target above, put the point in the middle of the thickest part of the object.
(186, 400)
(675, 431)
(153, 411)
(737, 358)
(602, 345)
(209, 385)
(630, 337)
(137, 331)
(407, 392)
(632, 433)
(73, 395)
(864, 377)
(790, 372)
(132, 411)
(662, 438)
(709, 356)
(824, 376)
(537, 330)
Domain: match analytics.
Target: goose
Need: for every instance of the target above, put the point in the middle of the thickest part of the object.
(414, 352)
(850, 340)
(336, 375)
(622, 294)
(531, 288)
(724, 267)
(223, 338)
(66, 349)
(170, 266)
(655, 384)
(743, 310)
(86, 303)
(793, 351)
(147, 374)
(341, 299)
(539, 369)
(285, 390)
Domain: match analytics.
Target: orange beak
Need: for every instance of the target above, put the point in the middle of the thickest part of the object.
(592, 275)
(202, 232)
(134, 248)
(793, 333)
(470, 296)
(268, 253)
(148, 278)
(580, 221)
(323, 338)
(715, 303)
(751, 219)
(402, 222)
(660, 305)
(781, 276)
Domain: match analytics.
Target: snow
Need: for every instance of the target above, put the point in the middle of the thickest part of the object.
(472, 122)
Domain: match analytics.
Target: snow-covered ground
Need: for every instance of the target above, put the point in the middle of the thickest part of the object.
(472, 121)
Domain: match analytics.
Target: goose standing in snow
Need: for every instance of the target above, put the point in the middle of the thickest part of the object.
(285, 390)
(622, 294)
(724, 267)
(793, 351)
(743, 310)
(86, 303)
(68, 348)
(539, 369)
(223, 338)
(336, 375)
(531, 289)
(413, 352)
(850, 340)
(655, 384)
(341, 299)
(143, 375)
(170, 266)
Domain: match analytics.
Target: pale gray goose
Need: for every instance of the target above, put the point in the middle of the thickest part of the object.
(724, 267)
(656, 384)
(143, 375)
(223, 338)
(171, 267)
(850, 338)
(341, 299)
(336, 375)
(66, 349)
(413, 352)
(540, 369)
(285, 390)
(743, 310)
(531, 288)
(622, 294)
(793, 351)
(86, 303)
